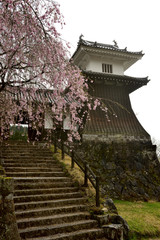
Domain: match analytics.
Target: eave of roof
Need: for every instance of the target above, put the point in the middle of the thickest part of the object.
(111, 76)
(133, 82)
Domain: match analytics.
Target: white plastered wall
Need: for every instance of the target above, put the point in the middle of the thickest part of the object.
(48, 121)
(94, 63)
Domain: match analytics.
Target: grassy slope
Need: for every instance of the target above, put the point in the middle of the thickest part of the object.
(142, 217)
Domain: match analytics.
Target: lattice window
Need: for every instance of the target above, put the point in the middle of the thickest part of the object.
(107, 68)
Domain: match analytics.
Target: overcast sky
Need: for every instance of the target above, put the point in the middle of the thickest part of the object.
(133, 24)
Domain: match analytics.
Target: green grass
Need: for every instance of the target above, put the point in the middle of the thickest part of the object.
(143, 217)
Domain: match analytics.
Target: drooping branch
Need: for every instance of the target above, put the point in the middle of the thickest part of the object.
(33, 59)
(44, 31)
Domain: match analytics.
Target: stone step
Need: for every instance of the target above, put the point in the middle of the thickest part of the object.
(20, 144)
(18, 180)
(50, 203)
(84, 234)
(47, 203)
(51, 164)
(35, 174)
(25, 149)
(30, 155)
(30, 162)
(44, 191)
(57, 229)
(32, 169)
(48, 220)
(33, 150)
(27, 152)
(27, 158)
(45, 197)
(50, 211)
(37, 185)
(22, 147)
(23, 152)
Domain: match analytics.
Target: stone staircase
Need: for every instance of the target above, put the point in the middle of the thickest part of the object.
(47, 204)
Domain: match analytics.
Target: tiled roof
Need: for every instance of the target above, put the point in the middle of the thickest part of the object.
(132, 83)
(122, 120)
(38, 95)
(97, 45)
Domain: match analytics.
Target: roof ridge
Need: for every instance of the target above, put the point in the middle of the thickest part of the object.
(105, 46)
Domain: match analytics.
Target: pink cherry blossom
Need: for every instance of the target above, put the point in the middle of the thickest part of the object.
(36, 75)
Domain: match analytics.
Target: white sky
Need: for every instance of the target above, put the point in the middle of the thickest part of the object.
(133, 24)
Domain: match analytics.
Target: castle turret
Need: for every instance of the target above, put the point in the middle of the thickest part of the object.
(105, 65)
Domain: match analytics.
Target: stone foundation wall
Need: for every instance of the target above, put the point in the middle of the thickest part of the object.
(8, 226)
(128, 170)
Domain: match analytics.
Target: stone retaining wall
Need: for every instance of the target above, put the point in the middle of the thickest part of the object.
(128, 170)
(8, 226)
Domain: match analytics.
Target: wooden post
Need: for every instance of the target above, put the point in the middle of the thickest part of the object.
(85, 175)
(72, 158)
(97, 192)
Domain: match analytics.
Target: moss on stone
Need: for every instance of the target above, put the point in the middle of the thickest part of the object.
(8, 227)
(55, 156)
(2, 171)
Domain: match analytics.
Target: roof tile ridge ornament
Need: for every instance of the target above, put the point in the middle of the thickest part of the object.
(115, 44)
(85, 42)
(80, 39)
(95, 44)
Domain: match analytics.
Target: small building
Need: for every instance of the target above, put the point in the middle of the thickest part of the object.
(117, 146)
